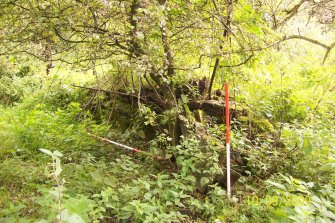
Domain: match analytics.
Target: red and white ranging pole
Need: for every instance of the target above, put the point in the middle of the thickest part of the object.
(125, 146)
(227, 138)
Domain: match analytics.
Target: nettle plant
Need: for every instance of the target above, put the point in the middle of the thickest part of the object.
(58, 206)
(319, 207)
(198, 159)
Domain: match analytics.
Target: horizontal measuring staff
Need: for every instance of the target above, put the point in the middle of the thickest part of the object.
(125, 146)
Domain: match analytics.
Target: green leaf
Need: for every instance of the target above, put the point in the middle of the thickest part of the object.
(48, 152)
(75, 218)
(280, 186)
(57, 154)
(128, 208)
(286, 178)
(184, 98)
(175, 194)
(307, 146)
(279, 212)
(204, 181)
(68, 217)
(77, 206)
(328, 214)
(327, 167)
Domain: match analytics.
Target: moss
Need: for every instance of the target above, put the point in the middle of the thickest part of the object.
(200, 116)
(263, 125)
(259, 125)
(243, 119)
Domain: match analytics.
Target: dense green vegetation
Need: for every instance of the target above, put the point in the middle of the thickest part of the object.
(150, 74)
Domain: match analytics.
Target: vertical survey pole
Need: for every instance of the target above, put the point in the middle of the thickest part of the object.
(227, 138)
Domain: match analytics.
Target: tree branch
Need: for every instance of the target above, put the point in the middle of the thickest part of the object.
(239, 64)
(291, 12)
(107, 91)
(316, 42)
(216, 65)
(306, 39)
(68, 40)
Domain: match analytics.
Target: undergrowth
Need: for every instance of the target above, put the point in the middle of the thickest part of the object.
(79, 179)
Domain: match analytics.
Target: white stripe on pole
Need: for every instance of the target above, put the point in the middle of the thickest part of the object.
(114, 143)
(228, 169)
(227, 137)
(119, 144)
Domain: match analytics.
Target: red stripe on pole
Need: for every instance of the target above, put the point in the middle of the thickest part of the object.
(136, 150)
(227, 114)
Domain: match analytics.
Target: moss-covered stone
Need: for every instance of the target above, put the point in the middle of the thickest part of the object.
(263, 125)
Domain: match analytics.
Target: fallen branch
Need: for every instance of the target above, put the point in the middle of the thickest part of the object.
(275, 167)
(107, 91)
(148, 96)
